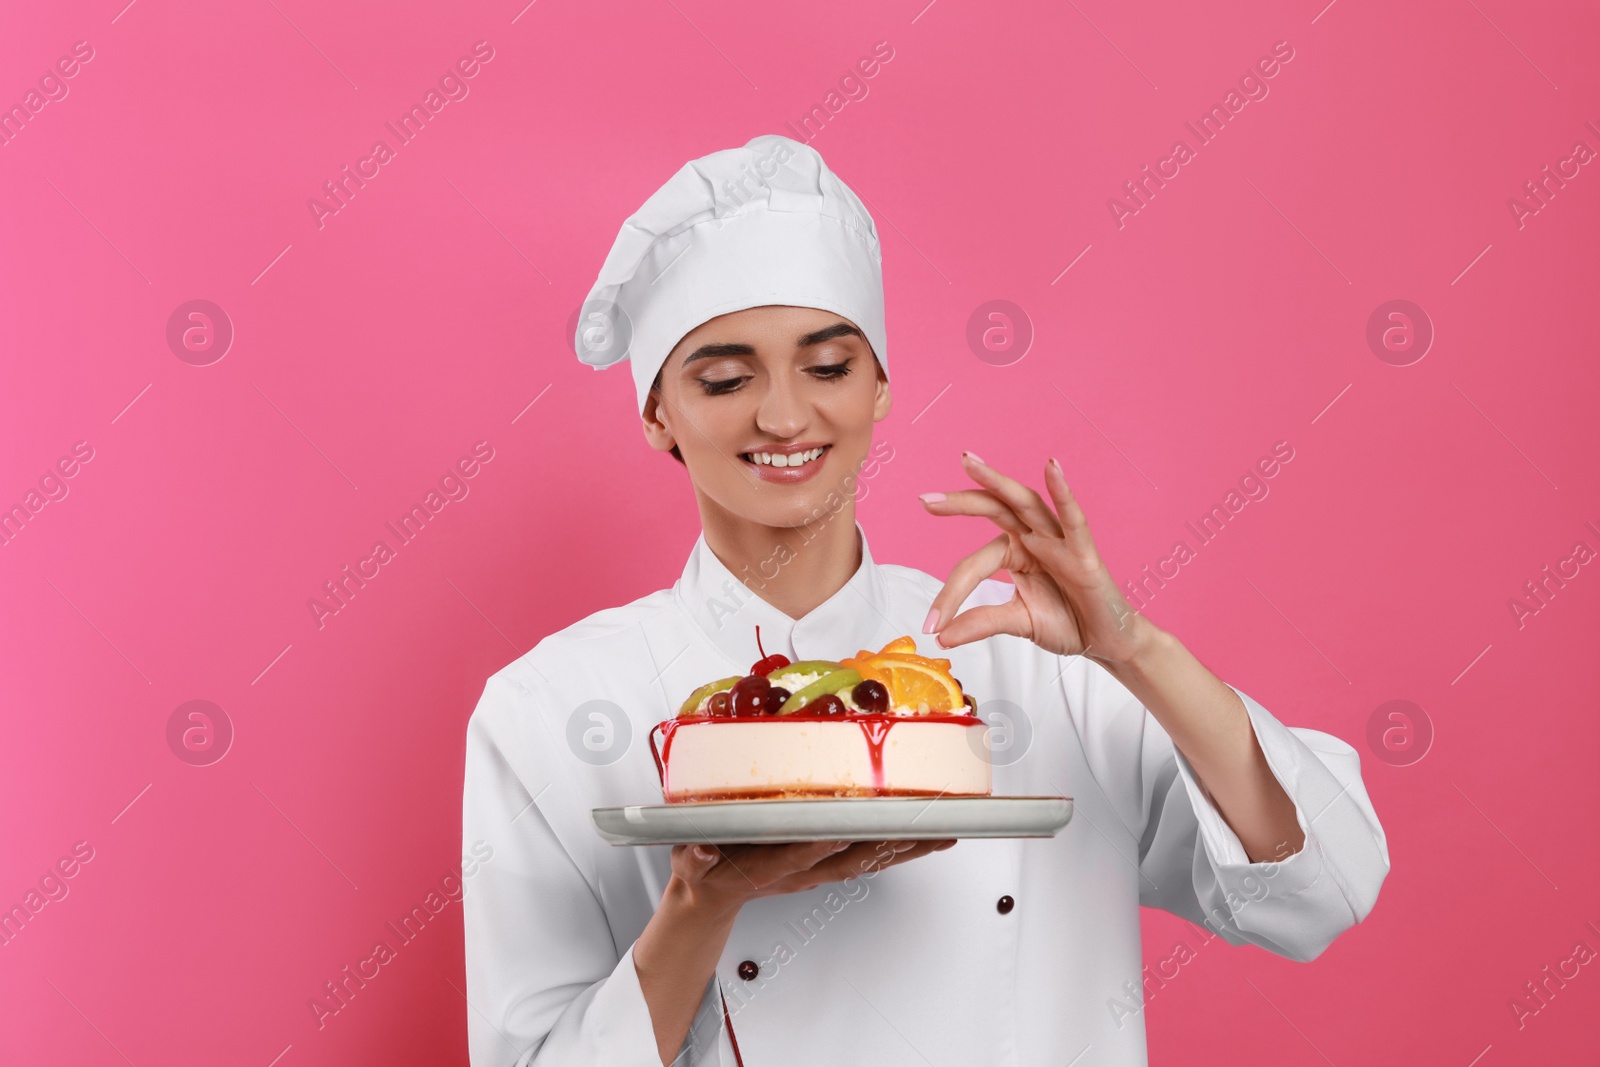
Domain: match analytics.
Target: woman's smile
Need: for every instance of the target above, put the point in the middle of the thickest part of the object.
(786, 464)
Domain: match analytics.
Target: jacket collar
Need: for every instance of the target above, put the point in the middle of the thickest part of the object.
(728, 608)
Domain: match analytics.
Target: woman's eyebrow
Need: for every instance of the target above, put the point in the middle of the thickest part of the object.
(828, 333)
(815, 337)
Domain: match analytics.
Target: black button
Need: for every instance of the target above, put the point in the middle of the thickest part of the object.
(1004, 905)
(748, 970)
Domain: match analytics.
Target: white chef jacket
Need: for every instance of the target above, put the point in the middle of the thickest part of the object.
(918, 963)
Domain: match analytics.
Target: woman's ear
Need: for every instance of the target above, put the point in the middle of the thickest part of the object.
(656, 431)
(882, 402)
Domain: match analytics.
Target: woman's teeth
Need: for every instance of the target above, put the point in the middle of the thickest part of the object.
(778, 459)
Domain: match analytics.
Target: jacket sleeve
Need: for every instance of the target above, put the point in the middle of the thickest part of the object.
(1193, 865)
(546, 982)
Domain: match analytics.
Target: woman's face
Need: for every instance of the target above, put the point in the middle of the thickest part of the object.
(749, 390)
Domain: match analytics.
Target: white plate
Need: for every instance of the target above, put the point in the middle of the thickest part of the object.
(834, 819)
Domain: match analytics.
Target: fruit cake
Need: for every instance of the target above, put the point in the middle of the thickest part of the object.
(885, 723)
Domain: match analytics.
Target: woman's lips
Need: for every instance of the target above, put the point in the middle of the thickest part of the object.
(788, 475)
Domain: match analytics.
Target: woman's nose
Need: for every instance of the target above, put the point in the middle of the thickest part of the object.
(782, 412)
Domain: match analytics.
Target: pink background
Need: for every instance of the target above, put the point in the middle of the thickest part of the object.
(370, 354)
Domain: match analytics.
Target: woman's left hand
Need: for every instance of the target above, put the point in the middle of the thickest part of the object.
(1066, 601)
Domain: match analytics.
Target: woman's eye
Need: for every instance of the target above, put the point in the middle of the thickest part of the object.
(826, 371)
(727, 385)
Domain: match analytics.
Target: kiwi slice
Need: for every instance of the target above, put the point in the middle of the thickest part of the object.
(805, 666)
(704, 691)
(833, 682)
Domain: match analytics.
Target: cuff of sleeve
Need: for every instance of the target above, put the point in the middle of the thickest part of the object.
(1289, 875)
(621, 1002)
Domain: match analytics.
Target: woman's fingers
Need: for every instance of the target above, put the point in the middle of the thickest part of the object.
(1076, 537)
(1028, 505)
(964, 578)
(861, 859)
(749, 871)
(764, 865)
(691, 862)
(986, 620)
(979, 502)
(1055, 480)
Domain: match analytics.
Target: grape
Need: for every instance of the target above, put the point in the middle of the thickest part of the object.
(966, 698)
(721, 705)
(775, 698)
(871, 696)
(826, 705)
(749, 696)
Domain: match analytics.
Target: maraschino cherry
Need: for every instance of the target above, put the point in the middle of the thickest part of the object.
(767, 664)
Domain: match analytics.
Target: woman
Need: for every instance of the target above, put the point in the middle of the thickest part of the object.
(747, 295)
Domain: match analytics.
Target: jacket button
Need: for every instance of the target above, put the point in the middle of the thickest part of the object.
(1004, 905)
(748, 970)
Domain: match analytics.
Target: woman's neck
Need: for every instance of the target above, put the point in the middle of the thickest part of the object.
(793, 568)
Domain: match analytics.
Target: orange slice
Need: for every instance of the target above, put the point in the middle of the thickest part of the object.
(903, 646)
(912, 657)
(911, 684)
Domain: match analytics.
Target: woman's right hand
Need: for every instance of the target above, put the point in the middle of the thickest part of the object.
(722, 878)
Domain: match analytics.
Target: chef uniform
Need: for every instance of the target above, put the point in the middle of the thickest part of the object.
(1016, 952)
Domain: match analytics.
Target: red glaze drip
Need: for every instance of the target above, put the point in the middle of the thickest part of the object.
(877, 732)
(667, 728)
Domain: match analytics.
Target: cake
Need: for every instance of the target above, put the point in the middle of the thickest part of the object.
(885, 723)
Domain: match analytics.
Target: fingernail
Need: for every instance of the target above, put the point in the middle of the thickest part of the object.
(931, 498)
(702, 852)
(931, 623)
(839, 846)
(974, 457)
(1054, 464)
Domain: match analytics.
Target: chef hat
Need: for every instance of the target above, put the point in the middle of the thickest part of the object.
(768, 223)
